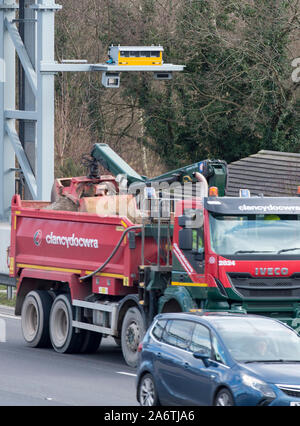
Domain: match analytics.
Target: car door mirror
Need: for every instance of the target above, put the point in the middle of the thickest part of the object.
(204, 355)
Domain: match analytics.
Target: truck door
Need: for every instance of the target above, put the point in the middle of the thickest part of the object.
(191, 238)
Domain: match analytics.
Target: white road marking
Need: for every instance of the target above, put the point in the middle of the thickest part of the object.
(10, 316)
(2, 331)
(126, 374)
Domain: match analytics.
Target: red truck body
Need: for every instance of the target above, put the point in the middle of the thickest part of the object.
(48, 244)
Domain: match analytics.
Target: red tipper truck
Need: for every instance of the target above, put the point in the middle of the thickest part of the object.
(50, 251)
(84, 275)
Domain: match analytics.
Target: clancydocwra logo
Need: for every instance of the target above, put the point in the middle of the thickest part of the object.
(37, 238)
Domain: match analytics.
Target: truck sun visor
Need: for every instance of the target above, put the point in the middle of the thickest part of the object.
(259, 205)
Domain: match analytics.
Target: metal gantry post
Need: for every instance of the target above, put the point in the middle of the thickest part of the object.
(27, 102)
(45, 98)
(34, 145)
(7, 102)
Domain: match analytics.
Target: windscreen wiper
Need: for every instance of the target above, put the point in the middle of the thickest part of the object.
(288, 249)
(254, 251)
(271, 360)
(263, 360)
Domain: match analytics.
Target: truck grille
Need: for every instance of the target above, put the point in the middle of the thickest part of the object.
(249, 286)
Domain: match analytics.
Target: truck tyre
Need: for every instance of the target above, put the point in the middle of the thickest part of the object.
(117, 341)
(35, 318)
(91, 342)
(63, 337)
(133, 330)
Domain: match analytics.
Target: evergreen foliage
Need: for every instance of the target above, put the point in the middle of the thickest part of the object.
(235, 97)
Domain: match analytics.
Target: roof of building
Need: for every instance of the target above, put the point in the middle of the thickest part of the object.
(139, 48)
(271, 173)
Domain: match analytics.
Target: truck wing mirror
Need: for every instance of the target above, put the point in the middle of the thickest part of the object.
(182, 221)
(186, 239)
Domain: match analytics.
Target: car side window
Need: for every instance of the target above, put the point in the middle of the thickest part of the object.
(178, 333)
(158, 329)
(200, 339)
(218, 351)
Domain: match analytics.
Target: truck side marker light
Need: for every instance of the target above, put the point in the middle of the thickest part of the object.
(213, 191)
(11, 265)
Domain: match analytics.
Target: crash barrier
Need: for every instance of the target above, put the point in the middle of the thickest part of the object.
(2, 331)
(9, 283)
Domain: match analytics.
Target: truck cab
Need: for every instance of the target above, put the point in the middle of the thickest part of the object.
(237, 253)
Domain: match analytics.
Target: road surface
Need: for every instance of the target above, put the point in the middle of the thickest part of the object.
(39, 377)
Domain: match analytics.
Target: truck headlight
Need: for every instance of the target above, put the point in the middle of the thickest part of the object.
(258, 385)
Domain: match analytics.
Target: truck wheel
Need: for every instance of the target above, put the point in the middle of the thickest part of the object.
(117, 341)
(63, 337)
(133, 330)
(35, 318)
(91, 342)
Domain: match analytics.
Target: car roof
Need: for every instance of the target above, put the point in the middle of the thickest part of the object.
(210, 316)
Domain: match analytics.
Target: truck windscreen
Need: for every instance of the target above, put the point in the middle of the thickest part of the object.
(255, 234)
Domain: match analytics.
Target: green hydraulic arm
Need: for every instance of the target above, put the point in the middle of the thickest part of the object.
(112, 162)
(215, 171)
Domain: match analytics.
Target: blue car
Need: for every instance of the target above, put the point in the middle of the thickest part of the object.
(218, 359)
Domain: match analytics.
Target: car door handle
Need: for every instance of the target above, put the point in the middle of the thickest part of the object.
(186, 365)
(158, 354)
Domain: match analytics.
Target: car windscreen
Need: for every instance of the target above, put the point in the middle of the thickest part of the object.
(258, 339)
(244, 234)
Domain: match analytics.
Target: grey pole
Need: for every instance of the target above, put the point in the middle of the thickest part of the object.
(45, 98)
(27, 101)
(7, 101)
